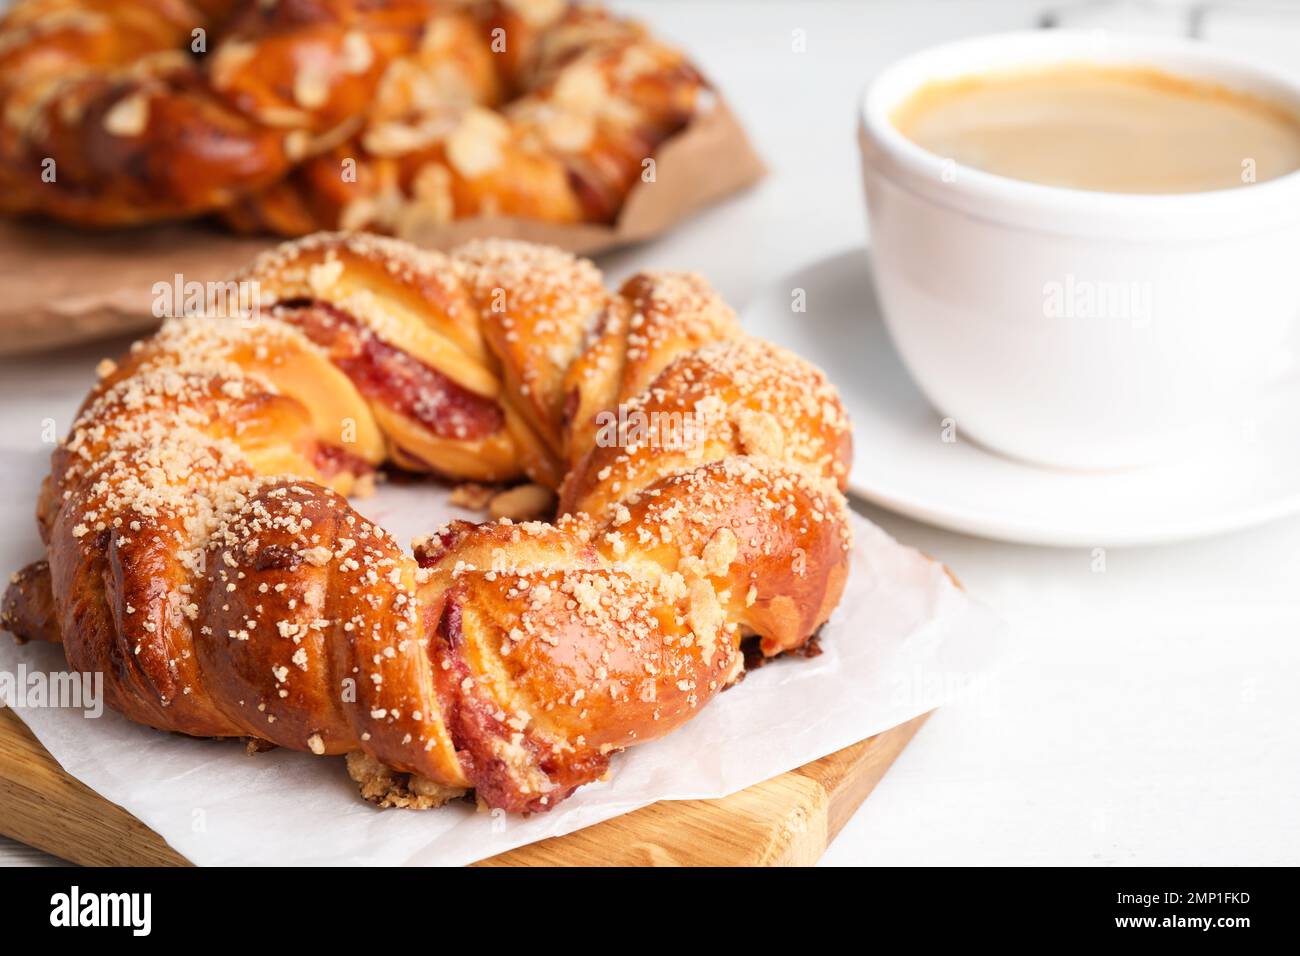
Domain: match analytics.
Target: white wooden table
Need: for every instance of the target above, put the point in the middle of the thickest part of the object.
(1153, 719)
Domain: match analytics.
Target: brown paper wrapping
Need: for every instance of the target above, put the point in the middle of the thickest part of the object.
(60, 285)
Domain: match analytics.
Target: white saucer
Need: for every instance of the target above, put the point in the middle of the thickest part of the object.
(902, 463)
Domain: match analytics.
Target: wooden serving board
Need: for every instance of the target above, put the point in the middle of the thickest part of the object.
(786, 821)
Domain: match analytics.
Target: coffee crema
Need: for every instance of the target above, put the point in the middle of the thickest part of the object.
(1108, 129)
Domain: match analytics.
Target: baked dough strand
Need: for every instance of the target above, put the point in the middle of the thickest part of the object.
(202, 556)
(290, 117)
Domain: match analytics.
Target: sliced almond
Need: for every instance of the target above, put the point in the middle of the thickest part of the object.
(297, 144)
(581, 87)
(538, 13)
(474, 147)
(570, 132)
(311, 86)
(358, 55)
(397, 139)
(128, 116)
(227, 61)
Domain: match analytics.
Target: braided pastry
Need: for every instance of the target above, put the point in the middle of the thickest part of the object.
(201, 554)
(318, 114)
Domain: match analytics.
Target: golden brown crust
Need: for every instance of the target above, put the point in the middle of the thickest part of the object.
(28, 608)
(732, 397)
(293, 117)
(203, 558)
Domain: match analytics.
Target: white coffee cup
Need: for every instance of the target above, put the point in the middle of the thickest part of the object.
(985, 281)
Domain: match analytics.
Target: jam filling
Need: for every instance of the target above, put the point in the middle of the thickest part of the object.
(385, 374)
(330, 460)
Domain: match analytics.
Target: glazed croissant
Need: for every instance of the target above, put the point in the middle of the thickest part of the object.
(296, 115)
(201, 554)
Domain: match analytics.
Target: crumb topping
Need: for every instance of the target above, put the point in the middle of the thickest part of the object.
(514, 656)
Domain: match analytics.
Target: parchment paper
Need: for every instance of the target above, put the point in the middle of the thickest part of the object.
(904, 640)
(60, 285)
